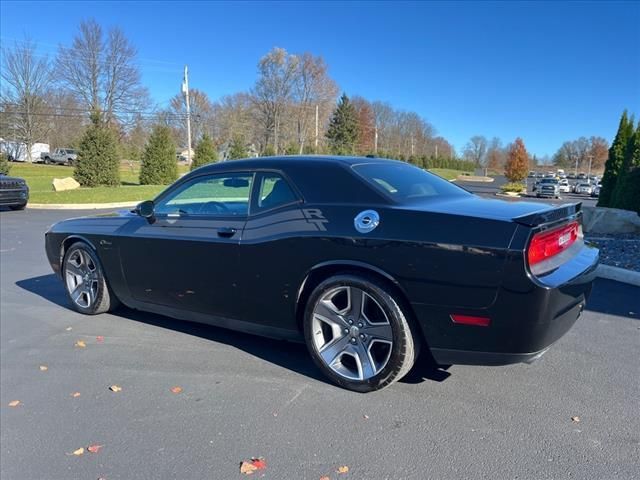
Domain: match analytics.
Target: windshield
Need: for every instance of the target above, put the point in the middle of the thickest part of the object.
(405, 183)
(552, 181)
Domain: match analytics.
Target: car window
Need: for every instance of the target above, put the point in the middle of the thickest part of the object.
(274, 191)
(222, 195)
(406, 183)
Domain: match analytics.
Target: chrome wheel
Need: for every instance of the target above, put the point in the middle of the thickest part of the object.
(351, 333)
(82, 278)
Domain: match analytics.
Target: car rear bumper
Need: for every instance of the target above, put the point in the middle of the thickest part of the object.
(528, 316)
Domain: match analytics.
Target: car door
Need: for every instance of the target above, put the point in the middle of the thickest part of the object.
(269, 250)
(186, 255)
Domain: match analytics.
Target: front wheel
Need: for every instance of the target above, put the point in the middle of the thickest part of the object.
(22, 206)
(85, 282)
(358, 334)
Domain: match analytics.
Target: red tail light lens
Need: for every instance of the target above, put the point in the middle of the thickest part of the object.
(547, 244)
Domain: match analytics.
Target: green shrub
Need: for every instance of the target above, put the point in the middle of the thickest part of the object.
(4, 164)
(513, 187)
(159, 165)
(238, 148)
(97, 163)
(205, 153)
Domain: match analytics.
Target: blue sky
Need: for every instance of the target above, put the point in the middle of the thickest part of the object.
(545, 71)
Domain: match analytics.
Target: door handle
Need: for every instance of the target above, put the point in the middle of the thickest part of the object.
(227, 232)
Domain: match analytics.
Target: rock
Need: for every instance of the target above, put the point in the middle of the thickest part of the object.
(474, 178)
(61, 184)
(610, 220)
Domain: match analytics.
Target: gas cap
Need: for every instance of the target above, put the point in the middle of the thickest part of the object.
(366, 221)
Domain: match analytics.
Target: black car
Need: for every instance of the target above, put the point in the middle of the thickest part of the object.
(366, 260)
(14, 192)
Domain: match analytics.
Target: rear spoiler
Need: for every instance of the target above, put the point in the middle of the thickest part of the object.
(549, 216)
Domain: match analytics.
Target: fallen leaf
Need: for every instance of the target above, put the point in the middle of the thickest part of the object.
(176, 389)
(79, 451)
(366, 417)
(75, 394)
(43, 368)
(100, 339)
(259, 463)
(115, 388)
(247, 468)
(14, 403)
(575, 419)
(324, 477)
(81, 344)
(68, 329)
(343, 469)
(94, 448)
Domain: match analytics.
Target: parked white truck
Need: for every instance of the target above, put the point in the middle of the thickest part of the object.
(60, 156)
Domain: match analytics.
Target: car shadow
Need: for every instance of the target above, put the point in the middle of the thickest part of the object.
(289, 355)
(615, 298)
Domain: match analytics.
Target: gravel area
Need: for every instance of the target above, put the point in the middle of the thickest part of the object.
(622, 250)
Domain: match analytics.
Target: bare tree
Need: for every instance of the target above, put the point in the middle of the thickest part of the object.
(496, 155)
(273, 90)
(65, 117)
(312, 88)
(102, 73)
(26, 79)
(476, 149)
(201, 114)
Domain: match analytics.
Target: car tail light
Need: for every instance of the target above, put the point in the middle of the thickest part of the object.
(471, 320)
(545, 245)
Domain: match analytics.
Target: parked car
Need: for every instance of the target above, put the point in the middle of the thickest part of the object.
(365, 260)
(584, 188)
(582, 176)
(563, 186)
(60, 156)
(14, 192)
(548, 187)
(595, 192)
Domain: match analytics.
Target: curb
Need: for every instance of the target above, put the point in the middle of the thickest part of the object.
(508, 196)
(618, 274)
(80, 206)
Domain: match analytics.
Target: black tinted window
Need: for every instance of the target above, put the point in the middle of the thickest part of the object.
(406, 183)
(274, 191)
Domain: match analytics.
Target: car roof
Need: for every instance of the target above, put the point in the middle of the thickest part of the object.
(291, 160)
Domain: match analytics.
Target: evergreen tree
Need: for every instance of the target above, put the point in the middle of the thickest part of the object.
(205, 152)
(627, 192)
(517, 165)
(159, 165)
(343, 128)
(617, 154)
(97, 163)
(238, 148)
(4, 164)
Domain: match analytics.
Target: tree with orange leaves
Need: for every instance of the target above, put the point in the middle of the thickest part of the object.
(517, 161)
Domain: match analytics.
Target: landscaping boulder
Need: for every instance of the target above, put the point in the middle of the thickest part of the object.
(610, 220)
(68, 183)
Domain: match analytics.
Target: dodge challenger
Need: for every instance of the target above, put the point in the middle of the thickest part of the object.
(365, 260)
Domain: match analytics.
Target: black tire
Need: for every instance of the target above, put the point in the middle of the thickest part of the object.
(101, 299)
(47, 161)
(406, 339)
(18, 207)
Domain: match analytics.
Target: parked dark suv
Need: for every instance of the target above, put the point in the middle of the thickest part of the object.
(14, 192)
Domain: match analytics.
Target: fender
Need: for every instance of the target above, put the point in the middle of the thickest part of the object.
(75, 237)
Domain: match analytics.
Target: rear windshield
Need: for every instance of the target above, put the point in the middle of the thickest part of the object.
(405, 183)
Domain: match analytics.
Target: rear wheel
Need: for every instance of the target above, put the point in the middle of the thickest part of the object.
(85, 282)
(358, 334)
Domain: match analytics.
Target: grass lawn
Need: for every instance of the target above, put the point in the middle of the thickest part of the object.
(39, 178)
(447, 173)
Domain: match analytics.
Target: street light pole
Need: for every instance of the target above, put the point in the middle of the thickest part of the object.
(590, 160)
(185, 90)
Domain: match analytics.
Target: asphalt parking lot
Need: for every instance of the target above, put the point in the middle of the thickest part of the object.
(489, 190)
(244, 396)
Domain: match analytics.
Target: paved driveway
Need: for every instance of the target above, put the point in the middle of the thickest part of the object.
(245, 396)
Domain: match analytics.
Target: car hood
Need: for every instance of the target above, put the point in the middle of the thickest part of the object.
(474, 206)
(6, 178)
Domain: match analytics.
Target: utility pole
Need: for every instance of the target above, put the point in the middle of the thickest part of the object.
(412, 145)
(185, 90)
(576, 167)
(375, 140)
(316, 142)
(436, 150)
(590, 160)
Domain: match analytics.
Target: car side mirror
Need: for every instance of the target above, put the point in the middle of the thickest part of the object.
(145, 209)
